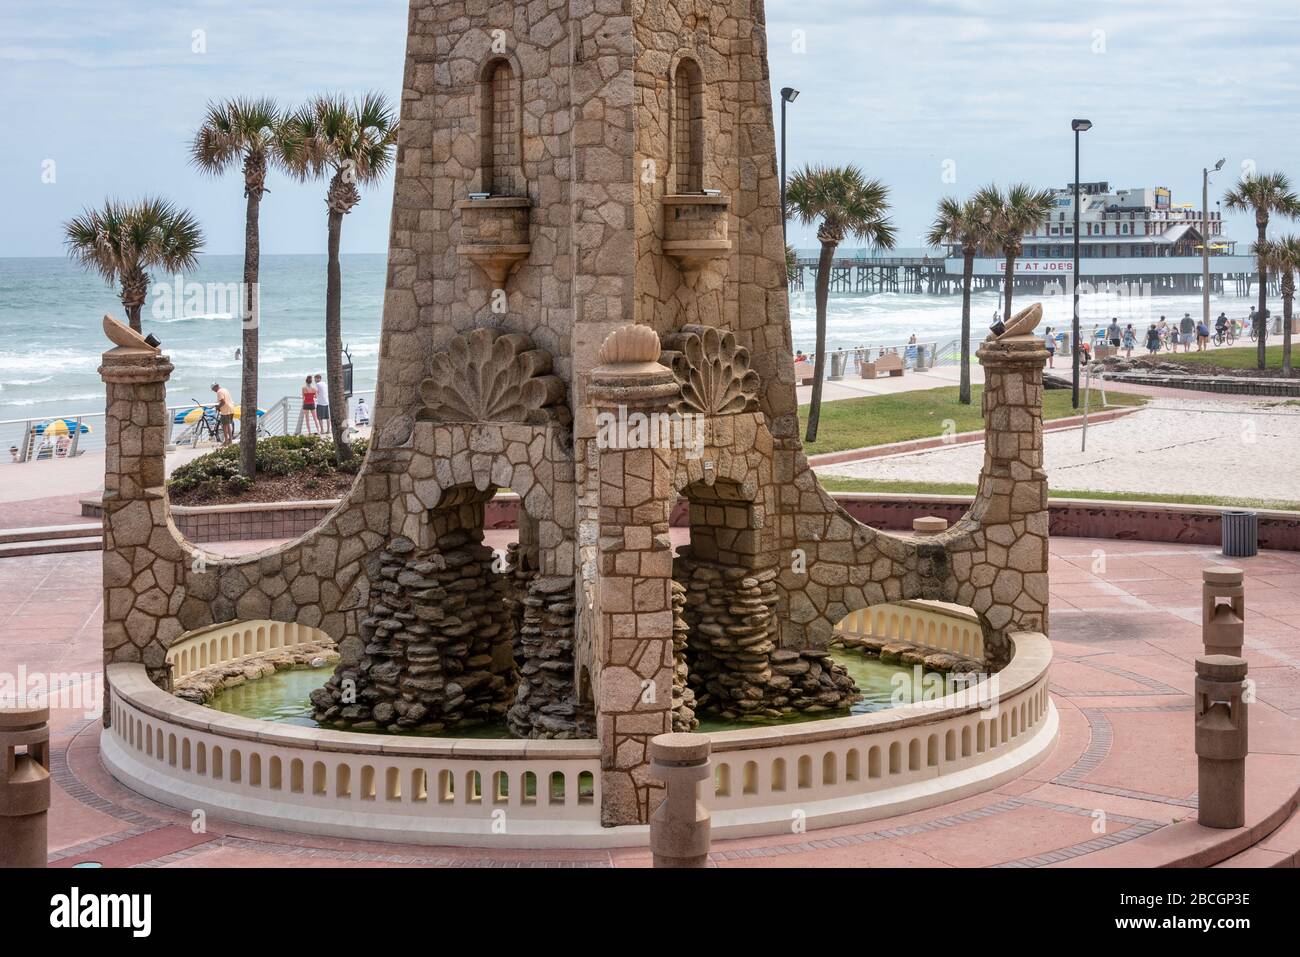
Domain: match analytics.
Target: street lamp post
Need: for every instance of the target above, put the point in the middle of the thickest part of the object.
(1205, 241)
(1079, 126)
(788, 95)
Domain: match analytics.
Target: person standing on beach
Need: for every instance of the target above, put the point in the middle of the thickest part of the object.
(322, 404)
(308, 413)
(1186, 326)
(225, 413)
(1113, 333)
(1049, 343)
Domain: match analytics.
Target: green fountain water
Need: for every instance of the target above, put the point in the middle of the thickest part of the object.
(283, 697)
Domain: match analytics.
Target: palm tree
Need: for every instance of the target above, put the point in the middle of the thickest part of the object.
(252, 133)
(1282, 256)
(845, 203)
(1012, 214)
(122, 241)
(351, 143)
(1264, 194)
(966, 224)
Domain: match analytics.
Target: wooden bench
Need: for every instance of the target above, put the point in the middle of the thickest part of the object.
(889, 363)
(803, 373)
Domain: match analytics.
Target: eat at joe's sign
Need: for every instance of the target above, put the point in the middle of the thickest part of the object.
(1034, 266)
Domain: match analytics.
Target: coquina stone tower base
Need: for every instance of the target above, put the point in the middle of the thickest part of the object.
(585, 229)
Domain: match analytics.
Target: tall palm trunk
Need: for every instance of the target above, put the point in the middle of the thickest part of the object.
(1010, 275)
(1288, 294)
(967, 276)
(823, 291)
(334, 339)
(252, 318)
(1260, 355)
(135, 290)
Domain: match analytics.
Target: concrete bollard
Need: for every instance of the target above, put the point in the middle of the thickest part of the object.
(24, 786)
(679, 827)
(1223, 610)
(1221, 740)
(929, 525)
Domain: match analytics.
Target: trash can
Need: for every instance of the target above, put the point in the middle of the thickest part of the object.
(837, 365)
(923, 359)
(1240, 533)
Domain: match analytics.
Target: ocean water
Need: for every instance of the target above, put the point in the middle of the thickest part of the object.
(50, 336)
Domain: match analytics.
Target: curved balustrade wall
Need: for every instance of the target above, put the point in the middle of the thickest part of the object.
(936, 625)
(534, 793)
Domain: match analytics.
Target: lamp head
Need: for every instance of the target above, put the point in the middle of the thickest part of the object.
(1081, 126)
(789, 94)
(1219, 165)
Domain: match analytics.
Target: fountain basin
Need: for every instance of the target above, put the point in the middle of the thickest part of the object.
(458, 791)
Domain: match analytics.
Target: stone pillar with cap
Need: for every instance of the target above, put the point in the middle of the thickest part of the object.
(633, 615)
(24, 786)
(679, 827)
(1221, 740)
(1223, 610)
(143, 562)
(1004, 578)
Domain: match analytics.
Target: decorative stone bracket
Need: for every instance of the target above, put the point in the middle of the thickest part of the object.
(695, 229)
(494, 234)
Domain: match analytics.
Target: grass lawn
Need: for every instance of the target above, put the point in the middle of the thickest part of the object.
(1240, 357)
(881, 419)
(835, 483)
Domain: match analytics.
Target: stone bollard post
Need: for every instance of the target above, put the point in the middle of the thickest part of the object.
(679, 827)
(929, 525)
(1221, 740)
(24, 786)
(1223, 610)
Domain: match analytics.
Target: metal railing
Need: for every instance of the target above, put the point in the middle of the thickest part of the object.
(24, 441)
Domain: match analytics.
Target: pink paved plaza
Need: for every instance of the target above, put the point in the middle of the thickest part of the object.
(1119, 788)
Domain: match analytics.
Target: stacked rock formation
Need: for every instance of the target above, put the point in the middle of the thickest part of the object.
(683, 695)
(436, 642)
(546, 704)
(736, 669)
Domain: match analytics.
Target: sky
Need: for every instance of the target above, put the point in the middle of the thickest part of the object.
(933, 97)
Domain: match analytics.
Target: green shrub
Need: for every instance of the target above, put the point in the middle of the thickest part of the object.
(219, 471)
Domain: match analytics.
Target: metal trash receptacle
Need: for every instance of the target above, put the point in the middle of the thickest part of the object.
(1240, 533)
(837, 365)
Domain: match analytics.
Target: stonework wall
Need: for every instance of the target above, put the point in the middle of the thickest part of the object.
(493, 367)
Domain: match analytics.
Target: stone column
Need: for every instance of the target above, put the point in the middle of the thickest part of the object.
(141, 569)
(1010, 580)
(1223, 610)
(633, 614)
(680, 829)
(24, 786)
(1221, 741)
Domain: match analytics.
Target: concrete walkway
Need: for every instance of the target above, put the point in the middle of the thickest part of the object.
(1124, 639)
(1184, 446)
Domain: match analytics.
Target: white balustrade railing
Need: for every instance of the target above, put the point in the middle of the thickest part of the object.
(236, 641)
(903, 758)
(936, 625)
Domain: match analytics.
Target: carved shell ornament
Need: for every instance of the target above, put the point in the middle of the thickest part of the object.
(629, 345)
(493, 376)
(712, 370)
(1023, 322)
